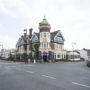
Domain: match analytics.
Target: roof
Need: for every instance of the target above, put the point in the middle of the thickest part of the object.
(37, 34)
(71, 53)
(44, 21)
(22, 40)
(53, 34)
(88, 50)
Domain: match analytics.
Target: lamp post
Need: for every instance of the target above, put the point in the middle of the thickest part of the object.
(73, 43)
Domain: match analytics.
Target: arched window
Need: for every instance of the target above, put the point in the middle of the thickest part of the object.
(44, 44)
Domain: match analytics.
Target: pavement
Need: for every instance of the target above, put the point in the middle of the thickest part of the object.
(61, 76)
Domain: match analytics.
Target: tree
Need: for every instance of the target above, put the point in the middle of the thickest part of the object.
(35, 49)
(25, 57)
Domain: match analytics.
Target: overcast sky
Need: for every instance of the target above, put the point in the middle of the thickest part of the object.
(72, 17)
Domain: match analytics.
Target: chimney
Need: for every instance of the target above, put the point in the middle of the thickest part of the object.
(22, 36)
(30, 32)
(25, 35)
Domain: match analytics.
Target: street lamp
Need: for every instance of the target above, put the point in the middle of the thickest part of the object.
(73, 43)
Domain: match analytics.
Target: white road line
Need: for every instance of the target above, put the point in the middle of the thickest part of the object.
(29, 71)
(49, 76)
(26, 65)
(11, 66)
(15, 63)
(81, 84)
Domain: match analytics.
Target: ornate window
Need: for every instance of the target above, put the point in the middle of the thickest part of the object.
(58, 56)
(44, 34)
(44, 44)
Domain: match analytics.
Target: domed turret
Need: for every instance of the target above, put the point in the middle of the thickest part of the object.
(44, 26)
(45, 22)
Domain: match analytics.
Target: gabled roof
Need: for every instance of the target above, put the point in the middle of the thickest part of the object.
(37, 34)
(23, 40)
(53, 34)
(35, 37)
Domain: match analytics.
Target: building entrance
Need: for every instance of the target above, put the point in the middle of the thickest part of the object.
(45, 56)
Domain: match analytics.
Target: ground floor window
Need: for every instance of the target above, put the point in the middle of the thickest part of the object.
(64, 56)
(58, 56)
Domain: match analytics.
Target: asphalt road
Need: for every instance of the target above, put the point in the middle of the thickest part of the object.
(65, 76)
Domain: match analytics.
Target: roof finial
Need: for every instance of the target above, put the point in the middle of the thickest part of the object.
(44, 21)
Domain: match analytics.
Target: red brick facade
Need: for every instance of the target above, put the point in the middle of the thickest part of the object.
(30, 32)
(44, 30)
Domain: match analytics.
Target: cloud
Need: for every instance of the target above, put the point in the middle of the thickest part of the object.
(1, 25)
(71, 16)
(5, 10)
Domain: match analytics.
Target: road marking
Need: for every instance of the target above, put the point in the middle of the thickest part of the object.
(11, 66)
(26, 65)
(15, 63)
(29, 71)
(81, 84)
(49, 76)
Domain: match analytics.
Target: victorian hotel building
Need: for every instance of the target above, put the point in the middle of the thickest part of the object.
(51, 44)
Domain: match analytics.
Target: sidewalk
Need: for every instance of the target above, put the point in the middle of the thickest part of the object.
(59, 62)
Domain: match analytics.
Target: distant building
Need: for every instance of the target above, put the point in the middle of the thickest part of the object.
(50, 45)
(85, 53)
(73, 55)
(5, 53)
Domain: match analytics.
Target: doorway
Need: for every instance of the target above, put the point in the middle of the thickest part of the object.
(45, 58)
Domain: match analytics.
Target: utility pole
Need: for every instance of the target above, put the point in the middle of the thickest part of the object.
(73, 43)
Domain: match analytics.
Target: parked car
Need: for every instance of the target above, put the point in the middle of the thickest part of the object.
(88, 62)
